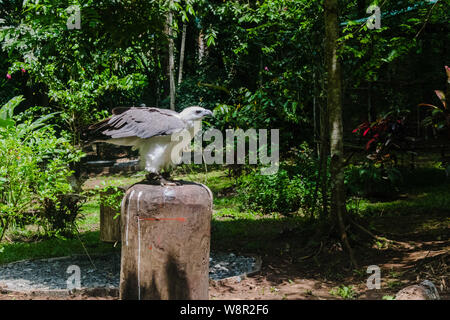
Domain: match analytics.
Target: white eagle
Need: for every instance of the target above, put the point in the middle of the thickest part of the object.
(150, 131)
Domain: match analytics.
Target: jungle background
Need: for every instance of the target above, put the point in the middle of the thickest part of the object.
(374, 193)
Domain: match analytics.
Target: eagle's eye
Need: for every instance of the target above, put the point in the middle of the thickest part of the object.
(198, 111)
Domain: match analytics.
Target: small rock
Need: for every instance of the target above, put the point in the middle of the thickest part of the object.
(426, 290)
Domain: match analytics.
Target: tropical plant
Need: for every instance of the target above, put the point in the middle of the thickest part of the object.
(372, 180)
(384, 137)
(440, 115)
(293, 189)
(34, 168)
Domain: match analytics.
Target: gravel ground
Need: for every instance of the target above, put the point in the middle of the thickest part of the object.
(52, 274)
(223, 266)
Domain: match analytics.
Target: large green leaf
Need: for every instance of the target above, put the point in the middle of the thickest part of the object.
(7, 111)
(24, 128)
(6, 123)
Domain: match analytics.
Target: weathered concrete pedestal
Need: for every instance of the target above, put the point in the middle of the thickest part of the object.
(165, 242)
(109, 227)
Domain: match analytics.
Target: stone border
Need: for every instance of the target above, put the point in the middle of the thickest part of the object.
(238, 278)
(56, 258)
(102, 292)
(94, 292)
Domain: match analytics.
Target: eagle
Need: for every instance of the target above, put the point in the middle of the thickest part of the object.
(150, 131)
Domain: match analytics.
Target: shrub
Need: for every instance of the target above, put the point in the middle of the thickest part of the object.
(440, 114)
(34, 171)
(372, 180)
(291, 189)
(385, 137)
(111, 197)
(59, 214)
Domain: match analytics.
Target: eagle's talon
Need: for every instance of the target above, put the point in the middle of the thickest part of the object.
(162, 180)
(152, 177)
(166, 183)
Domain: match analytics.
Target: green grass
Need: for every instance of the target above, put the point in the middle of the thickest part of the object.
(424, 206)
(54, 248)
(88, 224)
(344, 292)
(90, 211)
(420, 202)
(29, 248)
(117, 180)
(422, 191)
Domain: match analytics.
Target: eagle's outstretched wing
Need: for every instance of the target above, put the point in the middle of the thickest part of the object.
(139, 122)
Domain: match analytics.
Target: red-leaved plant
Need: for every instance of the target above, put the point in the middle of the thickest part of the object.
(440, 115)
(383, 136)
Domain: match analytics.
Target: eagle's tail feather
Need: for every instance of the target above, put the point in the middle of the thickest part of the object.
(99, 125)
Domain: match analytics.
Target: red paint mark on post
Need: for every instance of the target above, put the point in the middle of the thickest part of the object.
(163, 219)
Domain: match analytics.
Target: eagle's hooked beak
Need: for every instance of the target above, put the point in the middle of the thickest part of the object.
(209, 113)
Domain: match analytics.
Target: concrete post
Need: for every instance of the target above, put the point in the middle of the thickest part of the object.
(109, 227)
(165, 242)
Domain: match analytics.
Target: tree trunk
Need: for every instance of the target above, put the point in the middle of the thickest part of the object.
(370, 112)
(4, 226)
(324, 147)
(447, 99)
(201, 46)
(334, 106)
(158, 76)
(182, 49)
(171, 60)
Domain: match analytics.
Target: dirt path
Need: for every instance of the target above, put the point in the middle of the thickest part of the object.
(404, 264)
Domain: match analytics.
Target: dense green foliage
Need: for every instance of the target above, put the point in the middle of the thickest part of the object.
(373, 180)
(34, 172)
(292, 190)
(257, 64)
(262, 57)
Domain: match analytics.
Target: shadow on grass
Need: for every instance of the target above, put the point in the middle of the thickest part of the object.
(259, 235)
(291, 239)
(282, 244)
(424, 191)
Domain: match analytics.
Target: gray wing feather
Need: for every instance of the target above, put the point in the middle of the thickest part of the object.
(143, 123)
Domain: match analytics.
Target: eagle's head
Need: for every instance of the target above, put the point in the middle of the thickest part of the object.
(195, 113)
